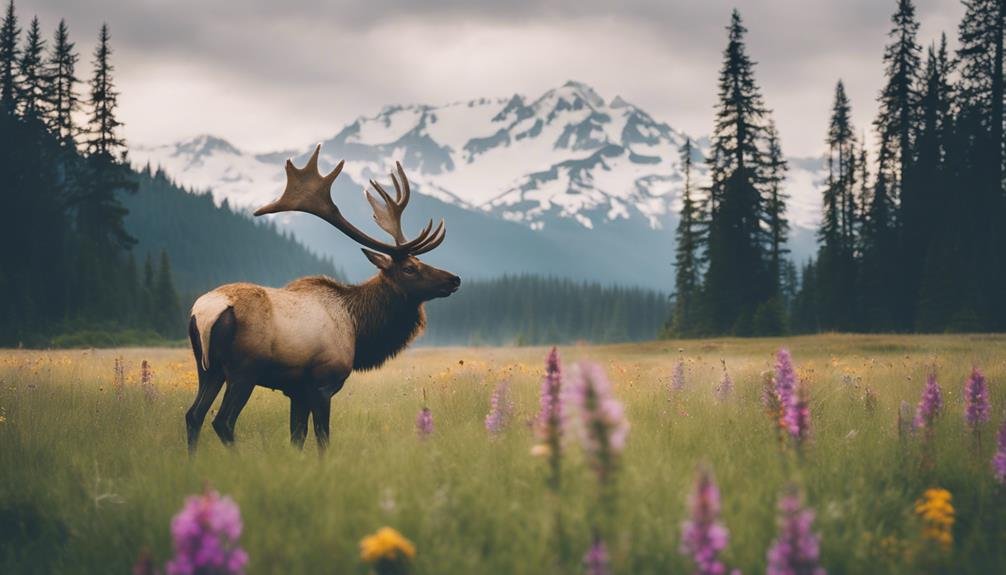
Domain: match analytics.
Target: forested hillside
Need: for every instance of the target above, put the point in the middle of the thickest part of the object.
(531, 310)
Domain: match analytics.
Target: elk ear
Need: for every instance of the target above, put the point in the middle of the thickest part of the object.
(380, 260)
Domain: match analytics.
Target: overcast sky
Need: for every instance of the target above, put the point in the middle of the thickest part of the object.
(270, 75)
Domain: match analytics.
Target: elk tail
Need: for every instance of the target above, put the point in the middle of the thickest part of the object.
(205, 313)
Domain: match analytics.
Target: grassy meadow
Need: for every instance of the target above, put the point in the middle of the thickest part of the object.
(90, 477)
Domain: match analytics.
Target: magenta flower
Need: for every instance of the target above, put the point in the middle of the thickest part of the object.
(549, 421)
(726, 386)
(500, 408)
(976, 399)
(597, 561)
(206, 533)
(930, 403)
(796, 415)
(785, 377)
(999, 459)
(678, 379)
(703, 536)
(796, 551)
(602, 424)
(424, 422)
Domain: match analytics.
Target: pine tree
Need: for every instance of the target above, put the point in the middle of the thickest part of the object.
(103, 125)
(897, 117)
(9, 54)
(776, 222)
(880, 274)
(63, 100)
(684, 321)
(167, 314)
(737, 279)
(32, 80)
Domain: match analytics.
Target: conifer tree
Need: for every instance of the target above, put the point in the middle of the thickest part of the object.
(103, 126)
(897, 116)
(32, 80)
(167, 314)
(737, 279)
(63, 99)
(684, 321)
(776, 222)
(9, 55)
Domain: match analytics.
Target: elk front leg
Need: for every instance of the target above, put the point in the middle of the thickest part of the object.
(321, 408)
(299, 411)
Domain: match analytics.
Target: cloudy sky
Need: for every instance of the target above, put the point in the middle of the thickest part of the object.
(272, 75)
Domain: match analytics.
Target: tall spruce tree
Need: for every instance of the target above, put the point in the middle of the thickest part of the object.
(687, 278)
(32, 78)
(980, 167)
(63, 99)
(9, 52)
(776, 222)
(103, 127)
(737, 279)
(897, 117)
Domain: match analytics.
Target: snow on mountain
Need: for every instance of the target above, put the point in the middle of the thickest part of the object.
(567, 153)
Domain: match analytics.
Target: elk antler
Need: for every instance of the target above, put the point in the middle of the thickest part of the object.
(309, 192)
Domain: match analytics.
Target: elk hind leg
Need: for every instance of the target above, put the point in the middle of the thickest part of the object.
(235, 399)
(210, 383)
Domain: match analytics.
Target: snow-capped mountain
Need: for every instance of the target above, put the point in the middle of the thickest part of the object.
(567, 166)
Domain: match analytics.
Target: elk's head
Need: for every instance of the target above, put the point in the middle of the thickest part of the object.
(309, 192)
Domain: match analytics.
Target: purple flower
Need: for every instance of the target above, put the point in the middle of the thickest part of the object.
(549, 421)
(602, 424)
(796, 415)
(424, 422)
(796, 551)
(596, 561)
(785, 377)
(703, 537)
(500, 408)
(678, 379)
(976, 399)
(999, 459)
(147, 381)
(726, 386)
(930, 403)
(206, 533)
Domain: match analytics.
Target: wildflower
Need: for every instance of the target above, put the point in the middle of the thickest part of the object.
(785, 377)
(726, 386)
(797, 415)
(147, 381)
(678, 379)
(769, 397)
(596, 561)
(976, 399)
(999, 459)
(937, 513)
(904, 419)
(387, 551)
(548, 424)
(930, 403)
(206, 533)
(500, 408)
(703, 537)
(424, 422)
(602, 425)
(797, 548)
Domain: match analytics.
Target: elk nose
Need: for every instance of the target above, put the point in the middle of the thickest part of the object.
(455, 281)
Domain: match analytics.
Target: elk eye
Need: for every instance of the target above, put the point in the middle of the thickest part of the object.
(409, 271)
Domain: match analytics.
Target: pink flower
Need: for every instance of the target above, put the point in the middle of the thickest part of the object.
(549, 421)
(206, 533)
(596, 561)
(976, 399)
(424, 422)
(999, 459)
(796, 551)
(726, 386)
(785, 377)
(602, 424)
(797, 415)
(930, 403)
(500, 408)
(703, 536)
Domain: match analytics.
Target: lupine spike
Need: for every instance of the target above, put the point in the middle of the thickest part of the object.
(930, 403)
(703, 536)
(976, 399)
(424, 422)
(500, 408)
(797, 549)
(206, 533)
(597, 561)
(999, 459)
(602, 424)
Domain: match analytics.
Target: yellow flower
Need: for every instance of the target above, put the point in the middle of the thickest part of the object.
(937, 515)
(387, 545)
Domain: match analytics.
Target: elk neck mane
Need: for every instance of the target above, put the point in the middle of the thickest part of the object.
(386, 318)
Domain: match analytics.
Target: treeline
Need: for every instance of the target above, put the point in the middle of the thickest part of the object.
(911, 239)
(84, 251)
(533, 310)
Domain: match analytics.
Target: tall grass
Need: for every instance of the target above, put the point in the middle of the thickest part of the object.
(87, 479)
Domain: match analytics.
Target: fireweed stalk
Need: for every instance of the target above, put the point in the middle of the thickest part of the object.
(797, 549)
(930, 403)
(597, 561)
(549, 422)
(703, 536)
(500, 408)
(206, 533)
(797, 416)
(976, 403)
(999, 459)
(601, 419)
(726, 386)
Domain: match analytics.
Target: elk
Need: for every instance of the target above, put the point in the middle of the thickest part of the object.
(305, 338)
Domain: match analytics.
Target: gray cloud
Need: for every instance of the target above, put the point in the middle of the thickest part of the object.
(270, 75)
